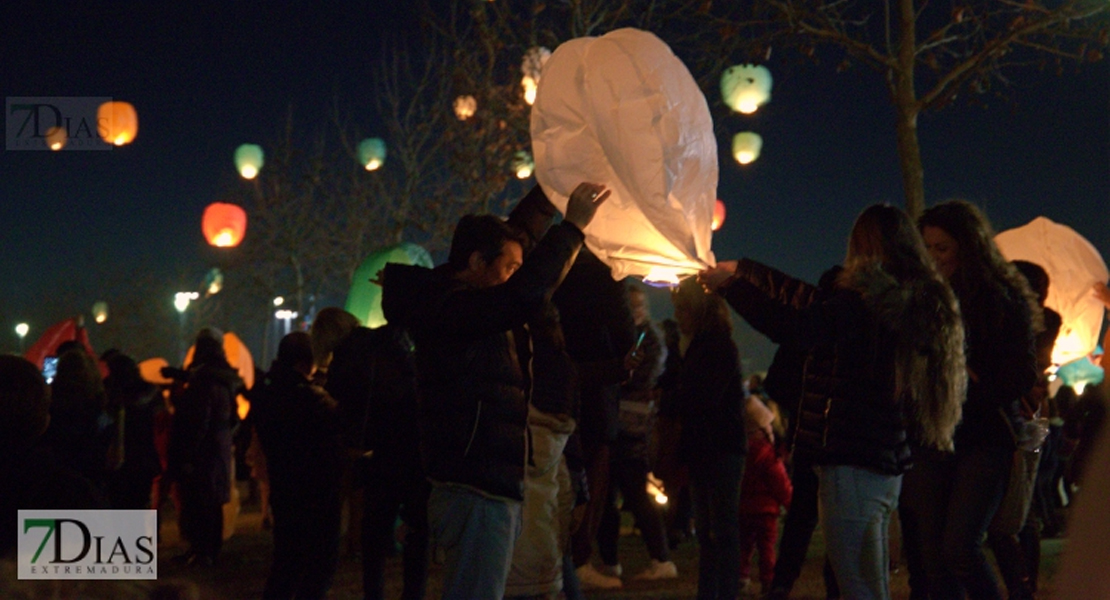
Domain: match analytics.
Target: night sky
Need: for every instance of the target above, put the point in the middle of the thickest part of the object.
(205, 80)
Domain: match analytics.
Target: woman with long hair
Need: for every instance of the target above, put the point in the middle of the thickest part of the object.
(709, 401)
(950, 500)
(884, 367)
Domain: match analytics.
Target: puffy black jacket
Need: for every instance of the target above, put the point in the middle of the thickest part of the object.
(848, 413)
(474, 403)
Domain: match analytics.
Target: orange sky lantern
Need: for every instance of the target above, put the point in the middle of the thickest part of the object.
(718, 215)
(117, 122)
(224, 224)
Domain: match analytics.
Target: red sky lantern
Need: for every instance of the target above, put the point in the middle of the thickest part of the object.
(718, 215)
(224, 224)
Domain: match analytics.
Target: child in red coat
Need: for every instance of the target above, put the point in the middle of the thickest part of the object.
(764, 491)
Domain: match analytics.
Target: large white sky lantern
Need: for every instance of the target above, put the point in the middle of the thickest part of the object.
(1073, 266)
(746, 147)
(745, 88)
(623, 111)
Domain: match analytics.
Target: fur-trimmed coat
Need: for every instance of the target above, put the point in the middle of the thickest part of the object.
(884, 363)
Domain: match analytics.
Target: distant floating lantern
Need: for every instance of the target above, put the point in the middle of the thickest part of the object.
(465, 107)
(718, 215)
(371, 153)
(117, 122)
(523, 165)
(745, 88)
(531, 67)
(746, 147)
(224, 224)
(100, 311)
(248, 160)
(56, 138)
(213, 282)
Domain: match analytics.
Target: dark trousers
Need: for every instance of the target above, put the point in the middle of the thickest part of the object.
(385, 497)
(629, 477)
(951, 500)
(797, 530)
(201, 520)
(715, 483)
(306, 543)
(597, 474)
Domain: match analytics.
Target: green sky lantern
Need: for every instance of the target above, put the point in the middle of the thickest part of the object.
(745, 88)
(365, 298)
(523, 165)
(248, 160)
(371, 153)
(100, 311)
(746, 146)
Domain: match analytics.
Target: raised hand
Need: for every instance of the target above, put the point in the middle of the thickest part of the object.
(712, 278)
(583, 203)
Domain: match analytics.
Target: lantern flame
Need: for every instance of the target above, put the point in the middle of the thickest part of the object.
(662, 275)
(225, 238)
(248, 172)
(524, 172)
(101, 318)
(745, 157)
(655, 489)
(373, 165)
(530, 86)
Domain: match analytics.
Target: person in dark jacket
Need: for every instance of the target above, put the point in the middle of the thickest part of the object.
(466, 318)
(298, 426)
(200, 446)
(80, 431)
(136, 402)
(885, 366)
(951, 499)
(712, 442)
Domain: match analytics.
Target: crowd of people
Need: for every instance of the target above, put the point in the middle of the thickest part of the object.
(519, 399)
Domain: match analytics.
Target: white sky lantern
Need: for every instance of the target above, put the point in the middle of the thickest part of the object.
(465, 107)
(745, 88)
(622, 110)
(1074, 266)
(371, 153)
(248, 160)
(531, 68)
(523, 165)
(746, 147)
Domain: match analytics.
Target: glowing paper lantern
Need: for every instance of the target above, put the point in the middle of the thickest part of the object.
(1080, 373)
(100, 311)
(248, 160)
(117, 122)
(465, 107)
(746, 147)
(623, 111)
(718, 215)
(371, 153)
(745, 88)
(523, 165)
(532, 67)
(365, 298)
(213, 282)
(151, 370)
(240, 359)
(224, 224)
(1073, 266)
(56, 138)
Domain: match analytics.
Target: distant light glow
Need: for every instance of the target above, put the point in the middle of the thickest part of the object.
(746, 147)
(248, 172)
(278, 301)
(56, 137)
(22, 329)
(285, 314)
(523, 165)
(249, 159)
(529, 86)
(225, 238)
(181, 300)
(373, 165)
(465, 107)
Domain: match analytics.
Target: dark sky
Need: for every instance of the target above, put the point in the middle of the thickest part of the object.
(205, 80)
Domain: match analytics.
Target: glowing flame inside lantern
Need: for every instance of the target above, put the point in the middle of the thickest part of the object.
(523, 165)
(373, 165)
(659, 275)
(530, 86)
(56, 138)
(466, 106)
(248, 172)
(655, 489)
(225, 238)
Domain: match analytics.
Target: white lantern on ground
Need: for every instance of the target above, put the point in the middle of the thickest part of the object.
(744, 88)
(746, 147)
(622, 110)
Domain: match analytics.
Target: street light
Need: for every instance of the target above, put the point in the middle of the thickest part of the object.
(287, 316)
(21, 330)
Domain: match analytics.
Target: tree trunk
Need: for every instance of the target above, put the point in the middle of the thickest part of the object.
(906, 109)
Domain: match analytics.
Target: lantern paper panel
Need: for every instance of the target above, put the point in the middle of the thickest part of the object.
(746, 147)
(249, 159)
(365, 298)
(744, 88)
(240, 359)
(622, 110)
(117, 122)
(371, 153)
(1074, 266)
(224, 224)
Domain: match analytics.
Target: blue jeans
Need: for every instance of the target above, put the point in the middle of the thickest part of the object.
(715, 484)
(953, 499)
(856, 508)
(476, 534)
